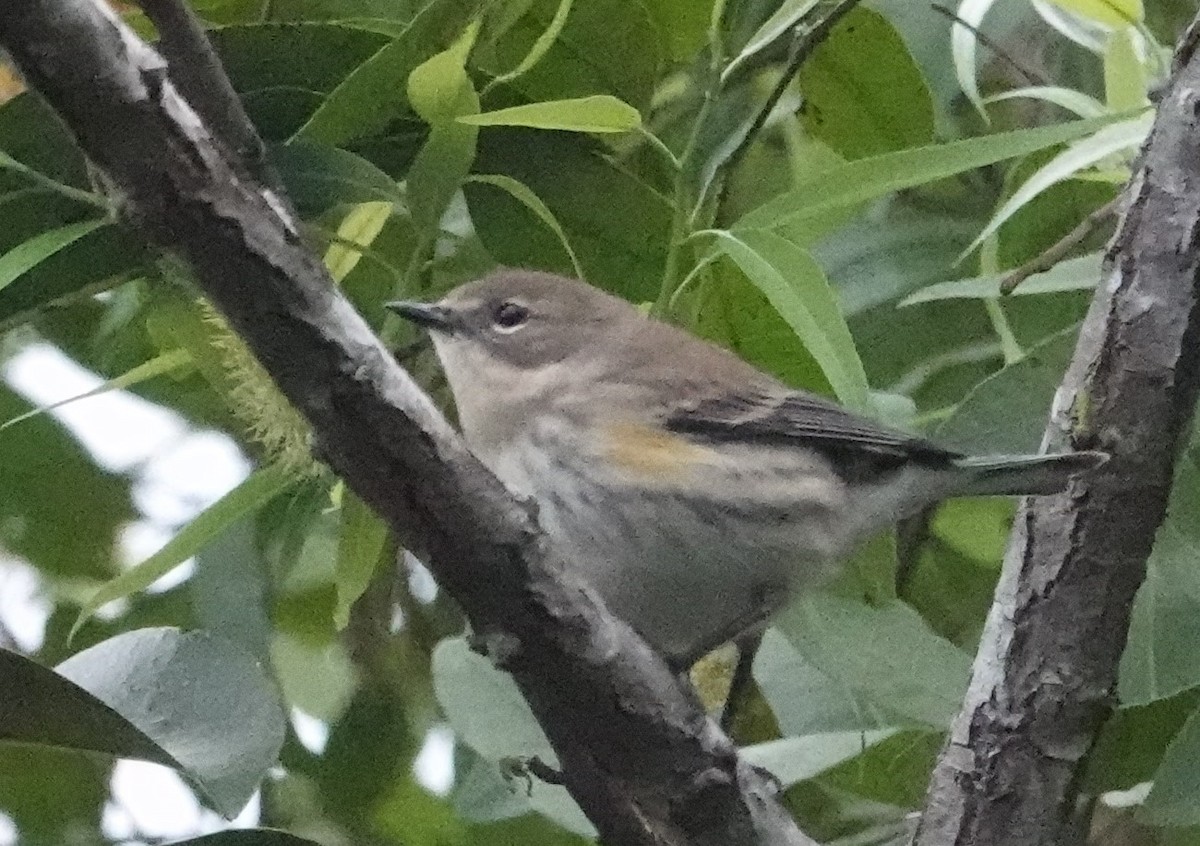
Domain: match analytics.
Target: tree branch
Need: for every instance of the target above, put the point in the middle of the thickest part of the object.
(1059, 250)
(1045, 675)
(642, 759)
(197, 73)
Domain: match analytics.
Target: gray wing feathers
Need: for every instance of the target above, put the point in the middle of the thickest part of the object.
(797, 418)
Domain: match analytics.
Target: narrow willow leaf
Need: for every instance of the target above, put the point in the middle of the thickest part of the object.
(1084, 31)
(361, 539)
(257, 490)
(962, 48)
(520, 192)
(440, 91)
(165, 363)
(371, 96)
(598, 113)
(1119, 139)
(1115, 13)
(439, 88)
(29, 254)
(1077, 274)
(360, 226)
(794, 759)
(788, 16)
(1073, 101)
(796, 286)
(1125, 80)
(540, 47)
(868, 179)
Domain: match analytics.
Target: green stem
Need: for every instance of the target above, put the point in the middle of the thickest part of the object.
(42, 180)
(409, 284)
(684, 200)
(989, 265)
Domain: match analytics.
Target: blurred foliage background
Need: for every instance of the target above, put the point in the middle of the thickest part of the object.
(847, 228)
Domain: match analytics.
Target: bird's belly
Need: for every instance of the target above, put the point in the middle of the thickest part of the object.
(686, 569)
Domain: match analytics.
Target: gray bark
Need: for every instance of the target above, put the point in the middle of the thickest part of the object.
(638, 753)
(1045, 676)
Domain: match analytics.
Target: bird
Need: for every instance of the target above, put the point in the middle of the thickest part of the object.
(695, 493)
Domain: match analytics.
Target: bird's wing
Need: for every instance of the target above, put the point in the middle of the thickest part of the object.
(793, 417)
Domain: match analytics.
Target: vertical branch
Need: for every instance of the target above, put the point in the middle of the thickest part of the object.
(1045, 676)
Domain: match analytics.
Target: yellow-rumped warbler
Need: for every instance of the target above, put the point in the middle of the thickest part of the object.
(698, 492)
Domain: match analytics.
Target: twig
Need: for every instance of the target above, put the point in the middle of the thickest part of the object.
(1055, 253)
(1031, 77)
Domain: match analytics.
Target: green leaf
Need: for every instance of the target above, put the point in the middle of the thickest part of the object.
(888, 655)
(789, 14)
(490, 715)
(682, 24)
(1121, 139)
(318, 177)
(531, 201)
(734, 313)
(95, 262)
(793, 282)
(165, 363)
(605, 47)
(259, 488)
(316, 677)
(540, 47)
(1125, 80)
(1073, 101)
(620, 242)
(793, 759)
(963, 42)
(1117, 13)
(1133, 741)
(247, 837)
(441, 91)
(599, 113)
(361, 540)
(1172, 799)
(46, 472)
(361, 226)
(1077, 274)
(805, 700)
(857, 182)
(1160, 658)
(1006, 413)
(373, 94)
(863, 93)
(189, 701)
(24, 257)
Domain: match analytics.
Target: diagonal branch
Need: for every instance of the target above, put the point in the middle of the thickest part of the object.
(1046, 672)
(642, 759)
(197, 73)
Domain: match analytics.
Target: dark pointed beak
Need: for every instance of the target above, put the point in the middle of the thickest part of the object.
(434, 317)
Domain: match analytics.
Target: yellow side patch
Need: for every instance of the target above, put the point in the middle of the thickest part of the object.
(652, 452)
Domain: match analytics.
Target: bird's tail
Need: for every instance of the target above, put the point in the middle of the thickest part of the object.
(1019, 475)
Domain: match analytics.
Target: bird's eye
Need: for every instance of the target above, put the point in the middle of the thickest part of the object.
(509, 315)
